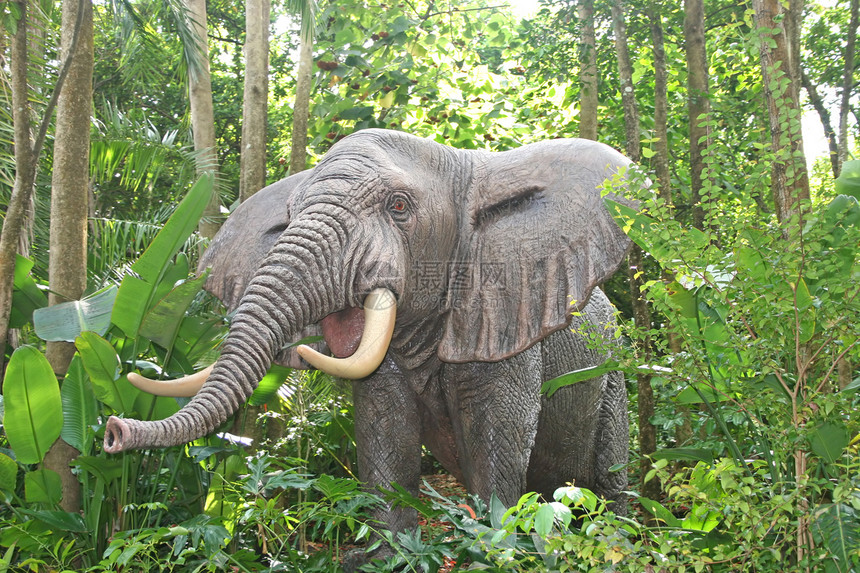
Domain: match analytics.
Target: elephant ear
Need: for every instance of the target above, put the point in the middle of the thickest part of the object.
(535, 240)
(246, 237)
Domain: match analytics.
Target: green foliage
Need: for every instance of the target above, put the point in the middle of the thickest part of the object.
(129, 491)
(33, 416)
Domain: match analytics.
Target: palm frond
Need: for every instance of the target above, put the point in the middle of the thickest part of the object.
(306, 10)
(133, 149)
(193, 58)
(115, 244)
(838, 524)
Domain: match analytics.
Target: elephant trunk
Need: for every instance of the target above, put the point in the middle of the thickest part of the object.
(299, 283)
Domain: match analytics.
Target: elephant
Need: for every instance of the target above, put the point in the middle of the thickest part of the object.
(448, 285)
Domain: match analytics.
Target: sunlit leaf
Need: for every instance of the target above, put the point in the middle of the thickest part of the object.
(8, 474)
(161, 324)
(101, 362)
(137, 295)
(269, 385)
(67, 320)
(33, 416)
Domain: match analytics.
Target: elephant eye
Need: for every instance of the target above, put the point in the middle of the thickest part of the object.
(398, 206)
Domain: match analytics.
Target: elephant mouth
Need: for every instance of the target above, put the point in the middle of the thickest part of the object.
(342, 331)
(357, 338)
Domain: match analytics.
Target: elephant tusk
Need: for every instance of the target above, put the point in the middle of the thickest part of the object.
(380, 310)
(184, 387)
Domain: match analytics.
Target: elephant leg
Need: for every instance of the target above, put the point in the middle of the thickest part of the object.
(583, 429)
(387, 435)
(612, 443)
(494, 409)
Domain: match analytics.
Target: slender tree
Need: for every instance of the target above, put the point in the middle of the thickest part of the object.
(789, 178)
(661, 104)
(588, 71)
(304, 77)
(301, 108)
(660, 163)
(698, 103)
(28, 147)
(252, 176)
(824, 115)
(70, 180)
(202, 113)
(635, 268)
(847, 82)
(25, 171)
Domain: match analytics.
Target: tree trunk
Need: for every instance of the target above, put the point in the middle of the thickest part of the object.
(67, 266)
(661, 106)
(252, 176)
(824, 115)
(301, 109)
(847, 83)
(660, 163)
(25, 174)
(698, 104)
(625, 73)
(203, 115)
(789, 179)
(588, 71)
(641, 312)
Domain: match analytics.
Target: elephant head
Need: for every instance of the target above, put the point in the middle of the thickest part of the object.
(483, 254)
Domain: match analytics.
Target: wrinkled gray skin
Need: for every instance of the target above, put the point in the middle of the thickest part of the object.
(487, 254)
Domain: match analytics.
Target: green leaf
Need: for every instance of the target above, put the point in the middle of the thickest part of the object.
(686, 454)
(837, 524)
(27, 297)
(105, 469)
(699, 393)
(544, 519)
(646, 232)
(551, 386)
(269, 385)
(852, 386)
(132, 302)
(102, 364)
(65, 321)
(660, 512)
(848, 182)
(161, 324)
(59, 520)
(80, 410)
(43, 486)
(8, 474)
(136, 295)
(151, 407)
(176, 231)
(828, 440)
(33, 415)
(497, 512)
